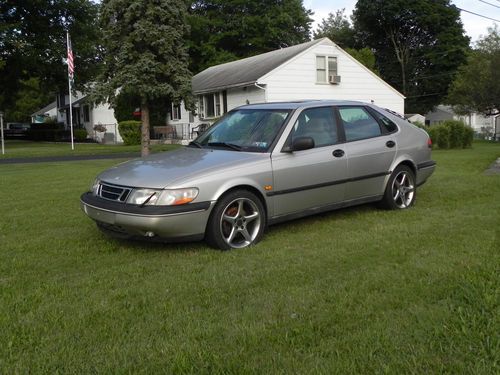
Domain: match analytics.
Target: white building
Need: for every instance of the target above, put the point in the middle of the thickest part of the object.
(89, 116)
(49, 111)
(314, 70)
(485, 126)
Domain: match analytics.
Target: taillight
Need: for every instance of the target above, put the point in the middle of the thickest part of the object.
(429, 142)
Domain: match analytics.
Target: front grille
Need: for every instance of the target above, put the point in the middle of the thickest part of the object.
(113, 192)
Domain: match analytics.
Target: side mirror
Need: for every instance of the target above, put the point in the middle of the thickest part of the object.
(302, 143)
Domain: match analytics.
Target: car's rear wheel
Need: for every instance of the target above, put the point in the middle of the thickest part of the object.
(401, 190)
(237, 221)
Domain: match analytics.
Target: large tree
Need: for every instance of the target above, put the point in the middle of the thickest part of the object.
(226, 30)
(33, 44)
(476, 87)
(337, 28)
(145, 55)
(419, 46)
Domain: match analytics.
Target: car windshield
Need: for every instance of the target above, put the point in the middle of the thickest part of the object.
(251, 130)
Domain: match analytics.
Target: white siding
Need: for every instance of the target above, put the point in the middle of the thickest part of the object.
(104, 115)
(296, 80)
(244, 95)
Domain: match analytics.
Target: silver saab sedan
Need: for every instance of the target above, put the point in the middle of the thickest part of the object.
(263, 164)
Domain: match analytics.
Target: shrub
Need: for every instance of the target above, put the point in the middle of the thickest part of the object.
(443, 136)
(451, 134)
(420, 125)
(80, 135)
(130, 132)
(456, 130)
(433, 132)
(51, 135)
(468, 137)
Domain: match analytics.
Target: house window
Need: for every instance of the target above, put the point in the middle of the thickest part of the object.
(210, 108)
(211, 105)
(86, 113)
(217, 104)
(201, 106)
(176, 112)
(326, 67)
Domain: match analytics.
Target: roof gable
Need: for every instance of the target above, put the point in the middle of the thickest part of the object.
(245, 71)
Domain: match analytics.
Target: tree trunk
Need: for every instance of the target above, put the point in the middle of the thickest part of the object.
(144, 128)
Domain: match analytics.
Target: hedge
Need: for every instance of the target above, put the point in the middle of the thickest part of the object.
(451, 134)
(130, 132)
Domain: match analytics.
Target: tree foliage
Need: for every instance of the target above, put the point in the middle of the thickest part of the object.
(419, 45)
(226, 30)
(365, 56)
(476, 87)
(145, 55)
(33, 44)
(337, 28)
(28, 99)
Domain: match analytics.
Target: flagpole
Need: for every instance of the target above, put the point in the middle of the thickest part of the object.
(70, 102)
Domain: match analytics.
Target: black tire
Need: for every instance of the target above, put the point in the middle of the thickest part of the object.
(401, 189)
(238, 220)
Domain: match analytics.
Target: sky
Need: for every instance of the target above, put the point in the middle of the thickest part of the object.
(474, 26)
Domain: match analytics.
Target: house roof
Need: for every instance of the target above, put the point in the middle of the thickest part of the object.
(245, 71)
(45, 109)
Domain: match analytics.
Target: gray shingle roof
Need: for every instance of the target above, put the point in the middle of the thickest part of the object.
(245, 71)
(45, 109)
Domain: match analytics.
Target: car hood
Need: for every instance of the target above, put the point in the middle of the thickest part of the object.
(160, 170)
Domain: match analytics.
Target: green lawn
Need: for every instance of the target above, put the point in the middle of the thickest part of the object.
(355, 291)
(27, 149)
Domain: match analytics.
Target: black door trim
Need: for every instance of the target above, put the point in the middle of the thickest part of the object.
(324, 184)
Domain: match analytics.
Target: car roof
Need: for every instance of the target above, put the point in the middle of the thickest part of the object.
(300, 104)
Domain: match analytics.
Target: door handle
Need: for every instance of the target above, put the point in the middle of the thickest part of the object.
(390, 144)
(338, 153)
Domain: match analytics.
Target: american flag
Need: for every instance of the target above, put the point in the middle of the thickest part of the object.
(70, 61)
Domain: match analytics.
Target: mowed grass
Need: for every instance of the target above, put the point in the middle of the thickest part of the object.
(354, 291)
(28, 149)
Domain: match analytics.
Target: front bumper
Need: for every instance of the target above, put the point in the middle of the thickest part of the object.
(166, 222)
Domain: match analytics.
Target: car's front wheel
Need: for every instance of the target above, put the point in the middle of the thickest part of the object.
(238, 220)
(400, 192)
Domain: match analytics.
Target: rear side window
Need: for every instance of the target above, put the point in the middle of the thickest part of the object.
(358, 123)
(389, 125)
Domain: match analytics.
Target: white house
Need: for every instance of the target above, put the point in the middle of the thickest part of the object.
(485, 126)
(87, 115)
(415, 117)
(314, 70)
(49, 111)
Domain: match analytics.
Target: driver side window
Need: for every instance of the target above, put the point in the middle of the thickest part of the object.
(318, 124)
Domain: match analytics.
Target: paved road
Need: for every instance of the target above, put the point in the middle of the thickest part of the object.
(46, 159)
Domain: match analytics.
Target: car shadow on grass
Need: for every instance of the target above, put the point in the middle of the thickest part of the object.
(338, 214)
(155, 245)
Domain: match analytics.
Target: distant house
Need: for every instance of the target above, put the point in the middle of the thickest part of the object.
(49, 111)
(89, 116)
(314, 70)
(415, 117)
(484, 126)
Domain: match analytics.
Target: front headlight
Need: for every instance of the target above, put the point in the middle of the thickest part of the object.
(177, 196)
(95, 187)
(143, 196)
(162, 197)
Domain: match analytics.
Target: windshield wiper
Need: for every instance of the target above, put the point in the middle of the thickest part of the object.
(194, 143)
(232, 146)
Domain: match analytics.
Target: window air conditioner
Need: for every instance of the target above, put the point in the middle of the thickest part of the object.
(334, 80)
